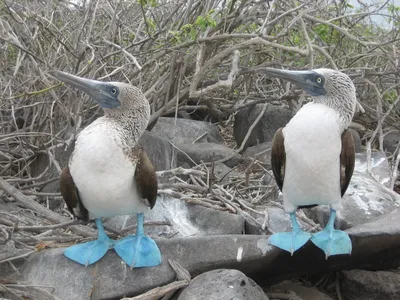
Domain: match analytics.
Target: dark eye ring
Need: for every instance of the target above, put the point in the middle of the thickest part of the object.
(319, 80)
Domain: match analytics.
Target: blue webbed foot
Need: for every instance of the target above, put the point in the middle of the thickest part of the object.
(290, 241)
(138, 250)
(90, 252)
(331, 241)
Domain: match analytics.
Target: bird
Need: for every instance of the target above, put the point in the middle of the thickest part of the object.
(110, 174)
(313, 156)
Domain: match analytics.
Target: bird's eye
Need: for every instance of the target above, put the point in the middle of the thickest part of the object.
(114, 91)
(319, 80)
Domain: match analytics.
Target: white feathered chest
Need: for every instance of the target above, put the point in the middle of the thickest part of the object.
(103, 173)
(313, 146)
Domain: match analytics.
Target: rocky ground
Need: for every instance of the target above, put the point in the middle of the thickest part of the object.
(217, 204)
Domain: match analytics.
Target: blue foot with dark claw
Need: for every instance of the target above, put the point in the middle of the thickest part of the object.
(90, 252)
(138, 250)
(331, 241)
(290, 241)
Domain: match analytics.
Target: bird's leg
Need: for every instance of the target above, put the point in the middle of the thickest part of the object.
(290, 241)
(90, 252)
(332, 241)
(138, 250)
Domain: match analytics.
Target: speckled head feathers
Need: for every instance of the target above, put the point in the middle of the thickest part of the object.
(340, 93)
(326, 86)
(123, 102)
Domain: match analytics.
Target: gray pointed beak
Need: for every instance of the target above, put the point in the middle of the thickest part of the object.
(105, 94)
(310, 81)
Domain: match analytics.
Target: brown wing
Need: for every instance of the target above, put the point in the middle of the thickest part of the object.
(278, 157)
(146, 178)
(347, 160)
(70, 194)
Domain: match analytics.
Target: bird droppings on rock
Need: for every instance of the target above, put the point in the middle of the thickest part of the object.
(379, 164)
(264, 246)
(183, 219)
(239, 254)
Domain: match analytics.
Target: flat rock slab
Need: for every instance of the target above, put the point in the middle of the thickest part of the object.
(375, 245)
(370, 285)
(186, 131)
(111, 279)
(222, 284)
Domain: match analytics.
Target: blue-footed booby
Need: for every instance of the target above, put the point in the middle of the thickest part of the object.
(109, 174)
(313, 156)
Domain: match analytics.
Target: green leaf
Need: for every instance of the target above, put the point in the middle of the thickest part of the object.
(193, 34)
(186, 27)
(201, 21)
(213, 23)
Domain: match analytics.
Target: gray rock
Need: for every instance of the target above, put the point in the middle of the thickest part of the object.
(357, 140)
(186, 131)
(184, 219)
(365, 199)
(99, 281)
(299, 290)
(369, 285)
(7, 251)
(222, 285)
(273, 118)
(207, 152)
(391, 140)
(161, 153)
(262, 152)
(223, 173)
(376, 245)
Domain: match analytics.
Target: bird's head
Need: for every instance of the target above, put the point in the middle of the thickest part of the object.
(330, 87)
(318, 82)
(115, 98)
